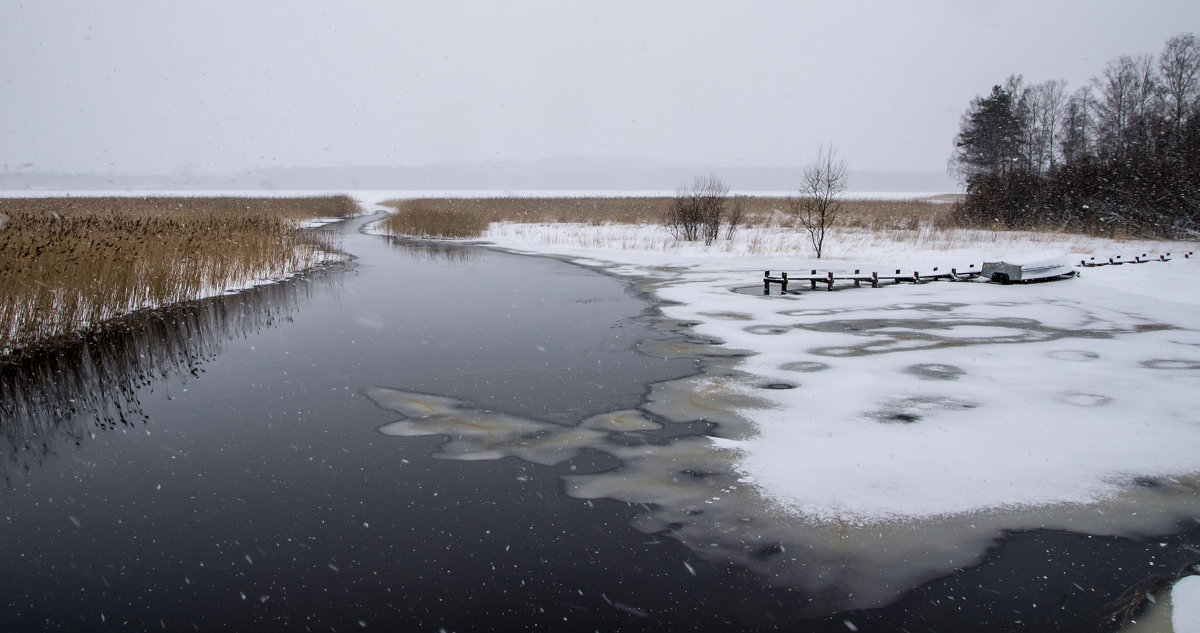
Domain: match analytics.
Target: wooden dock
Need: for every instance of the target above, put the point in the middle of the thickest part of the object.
(830, 279)
(858, 278)
(1091, 262)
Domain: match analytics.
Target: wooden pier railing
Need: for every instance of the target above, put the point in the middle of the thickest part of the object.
(829, 278)
(1137, 259)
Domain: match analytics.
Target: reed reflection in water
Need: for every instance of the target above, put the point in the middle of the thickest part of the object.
(438, 252)
(62, 394)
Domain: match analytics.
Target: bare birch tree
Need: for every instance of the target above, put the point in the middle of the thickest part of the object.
(1179, 72)
(1123, 97)
(817, 206)
(1076, 134)
(1050, 101)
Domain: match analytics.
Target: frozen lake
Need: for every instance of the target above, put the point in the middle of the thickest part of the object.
(284, 464)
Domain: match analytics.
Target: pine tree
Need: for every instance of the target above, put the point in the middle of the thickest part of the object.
(988, 140)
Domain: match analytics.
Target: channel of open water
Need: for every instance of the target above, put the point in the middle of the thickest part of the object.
(258, 462)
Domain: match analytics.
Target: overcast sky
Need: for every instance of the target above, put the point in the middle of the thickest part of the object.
(160, 87)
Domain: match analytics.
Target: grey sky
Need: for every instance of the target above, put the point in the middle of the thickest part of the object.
(155, 87)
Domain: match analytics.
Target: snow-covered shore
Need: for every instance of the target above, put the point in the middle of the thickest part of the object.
(1006, 396)
(1049, 393)
(968, 408)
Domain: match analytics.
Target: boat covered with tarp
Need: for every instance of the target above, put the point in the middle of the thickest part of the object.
(1009, 272)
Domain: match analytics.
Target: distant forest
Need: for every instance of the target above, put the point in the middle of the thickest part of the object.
(1120, 156)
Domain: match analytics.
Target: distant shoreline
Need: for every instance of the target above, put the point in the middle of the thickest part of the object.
(441, 193)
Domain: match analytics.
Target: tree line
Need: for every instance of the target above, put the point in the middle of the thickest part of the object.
(1119, 156)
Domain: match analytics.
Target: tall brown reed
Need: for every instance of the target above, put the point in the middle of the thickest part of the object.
(70, 263)
(469, 217)
(444, 218)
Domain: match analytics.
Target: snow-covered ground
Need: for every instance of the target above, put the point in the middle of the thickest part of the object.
(1026, 395)
(968, 408)
(937, 399)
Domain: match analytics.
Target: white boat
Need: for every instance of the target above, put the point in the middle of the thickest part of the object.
(1042, 270)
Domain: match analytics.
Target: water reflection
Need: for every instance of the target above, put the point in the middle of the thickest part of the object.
(430, 251)
(63, 394)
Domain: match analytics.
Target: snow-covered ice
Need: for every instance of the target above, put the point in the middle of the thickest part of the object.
(1185, 604)
(895, 432)
(1062, 393)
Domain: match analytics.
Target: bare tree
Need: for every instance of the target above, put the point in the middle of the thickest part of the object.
(1025, 108)
(817, 206)
(1124, 95)
(1179, 72)
(737, 212)
(1049, 119)
(697, 209)
(1076, 133)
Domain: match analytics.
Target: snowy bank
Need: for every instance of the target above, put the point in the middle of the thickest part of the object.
(936, 399)
(893, 433)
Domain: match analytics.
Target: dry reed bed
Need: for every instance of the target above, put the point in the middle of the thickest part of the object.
(70, 263)
(635, 223)
(470, 217)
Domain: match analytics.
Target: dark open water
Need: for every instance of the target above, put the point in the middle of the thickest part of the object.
(238, 481)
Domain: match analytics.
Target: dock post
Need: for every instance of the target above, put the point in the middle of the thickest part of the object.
(766, 283)
(830, 281)
(874, 280)
(783, 284)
